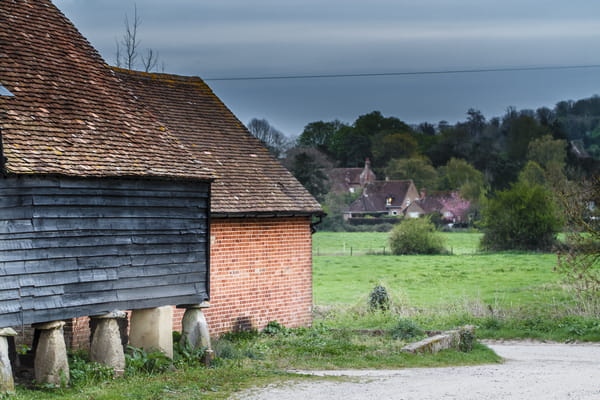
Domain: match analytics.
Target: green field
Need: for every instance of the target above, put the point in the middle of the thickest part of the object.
(355, 243)
(510, 294)
(506, 280)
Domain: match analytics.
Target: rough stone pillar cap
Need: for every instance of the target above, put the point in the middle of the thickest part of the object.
(8, 332)
(49, 325)
(111, 315)
(204, 304)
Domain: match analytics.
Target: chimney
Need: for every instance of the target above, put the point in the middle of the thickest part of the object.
(367, 176)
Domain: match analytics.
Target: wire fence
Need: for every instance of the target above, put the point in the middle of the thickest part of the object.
(352, 251)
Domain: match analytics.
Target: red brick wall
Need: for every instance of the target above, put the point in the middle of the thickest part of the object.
(261, 271)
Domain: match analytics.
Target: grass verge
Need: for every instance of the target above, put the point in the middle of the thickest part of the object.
(251, 359)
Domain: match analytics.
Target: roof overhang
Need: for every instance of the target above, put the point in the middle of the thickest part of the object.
(267, 214)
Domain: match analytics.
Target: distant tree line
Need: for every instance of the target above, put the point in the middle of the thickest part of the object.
(524, 154)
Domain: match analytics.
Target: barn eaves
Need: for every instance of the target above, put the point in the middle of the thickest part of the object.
(2, 158)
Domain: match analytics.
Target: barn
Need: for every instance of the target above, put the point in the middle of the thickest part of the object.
(261, 217)
(101, 207)
(107, 199)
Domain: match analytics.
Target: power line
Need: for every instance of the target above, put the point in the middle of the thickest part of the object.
(406, 73)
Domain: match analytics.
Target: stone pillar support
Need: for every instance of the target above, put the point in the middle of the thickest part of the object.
(152, 329)
(7, 382)
(51, 364)
(106, 347)
(195, 329)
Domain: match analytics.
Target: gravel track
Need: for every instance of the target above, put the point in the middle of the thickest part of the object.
(530, 371)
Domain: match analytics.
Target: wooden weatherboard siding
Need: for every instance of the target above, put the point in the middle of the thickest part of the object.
(73, 247)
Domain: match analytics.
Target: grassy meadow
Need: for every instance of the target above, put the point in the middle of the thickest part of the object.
(507, 294)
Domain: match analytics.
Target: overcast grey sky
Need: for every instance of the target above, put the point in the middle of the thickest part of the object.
(239, 38)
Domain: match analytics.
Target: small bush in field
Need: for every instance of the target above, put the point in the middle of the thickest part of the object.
(406, 329)
(379, 299)
(416, 236)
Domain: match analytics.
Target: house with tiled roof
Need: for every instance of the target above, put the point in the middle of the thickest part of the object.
(450, 205)
(101, 207)
(260, 215)
(126, 184)
(351, 180)
(383, 198)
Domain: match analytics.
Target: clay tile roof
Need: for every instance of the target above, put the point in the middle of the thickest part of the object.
(431, 203)
(70, 114)
(342, 179)
(249, 180)
(373, 198)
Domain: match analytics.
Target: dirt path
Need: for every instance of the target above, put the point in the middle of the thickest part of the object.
(531, 371)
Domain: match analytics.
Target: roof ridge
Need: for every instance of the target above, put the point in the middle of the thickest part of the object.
(160, 76)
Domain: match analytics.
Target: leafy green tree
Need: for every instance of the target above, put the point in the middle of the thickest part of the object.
(520, 130)
(532, 174)
(419, 169)
(475, 122)
(416, 236)
(453, 142)
(334, 206)
(459, 175)
(374, 122)
(319, 134)
(426, 128)
(523, 217)
(350, 147)
(393, 145)
(546, 151)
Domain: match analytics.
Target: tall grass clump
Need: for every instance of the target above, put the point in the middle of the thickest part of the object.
(416, 236)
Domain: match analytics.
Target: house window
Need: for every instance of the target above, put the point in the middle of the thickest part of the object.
(388, 201)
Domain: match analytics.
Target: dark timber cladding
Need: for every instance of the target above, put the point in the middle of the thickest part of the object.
(73, 247)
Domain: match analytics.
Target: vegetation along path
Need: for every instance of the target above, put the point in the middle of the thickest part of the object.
(530, 371)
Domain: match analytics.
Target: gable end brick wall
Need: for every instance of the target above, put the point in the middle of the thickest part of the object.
(261, 271)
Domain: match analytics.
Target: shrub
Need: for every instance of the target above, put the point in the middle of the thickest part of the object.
(140, 361)
(579, 259)
(275, 328)
(406, 329)
(466, 340)
(379, 299)
(416, 236)
(523, 217)
(84, 372)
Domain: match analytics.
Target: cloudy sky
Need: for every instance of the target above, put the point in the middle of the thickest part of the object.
(264, 38)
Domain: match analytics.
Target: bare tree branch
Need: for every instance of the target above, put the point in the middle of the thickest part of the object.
(128, 47)
(150, 60)
(130, 41)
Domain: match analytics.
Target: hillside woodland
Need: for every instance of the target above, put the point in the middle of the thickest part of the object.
(477, 156)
